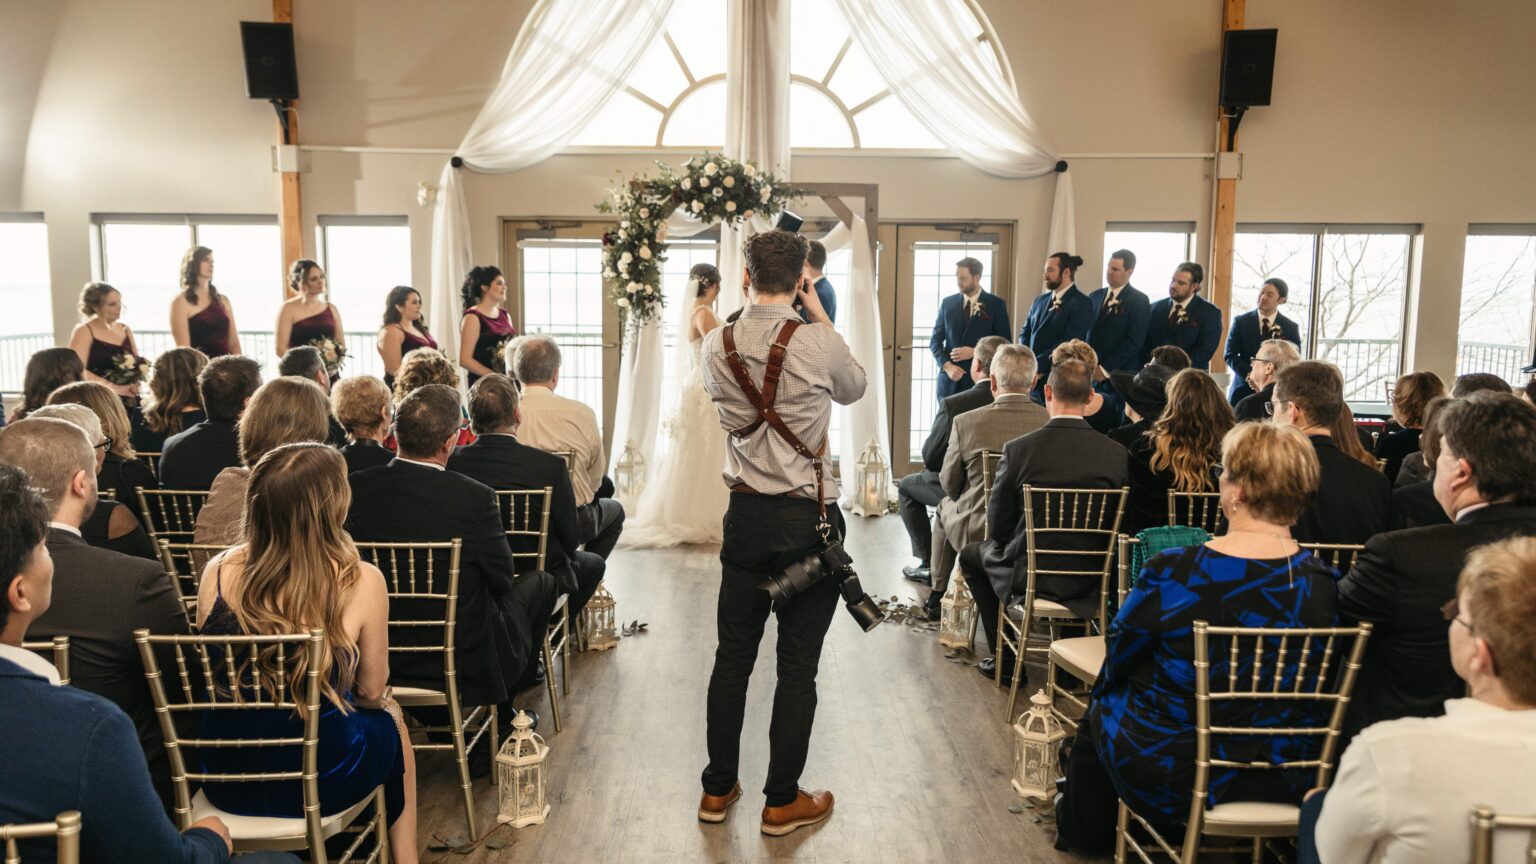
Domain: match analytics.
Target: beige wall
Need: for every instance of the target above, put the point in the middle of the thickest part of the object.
(1385, 110)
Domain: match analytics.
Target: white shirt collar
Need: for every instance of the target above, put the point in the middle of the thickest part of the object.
(419, 462)
(541, 389)
(31, 662)
(1184, 303)
(1062, 291)
(1470, 509)
(73, 529)
(1115, 292)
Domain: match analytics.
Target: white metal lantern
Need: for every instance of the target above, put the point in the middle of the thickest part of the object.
(629, 473)
(521, 795)
(599, 620)
(1037, 736)
(957, 614)
(871, 480)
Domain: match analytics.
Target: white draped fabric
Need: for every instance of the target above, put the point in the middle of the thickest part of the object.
(570, 58)
(867, 419)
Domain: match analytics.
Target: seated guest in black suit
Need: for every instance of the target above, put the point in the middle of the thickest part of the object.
(1101, 412)
(1181, 451)
(1251, 330)
(1485, 479)
(111, 525)
(99, 597)
(306, 361)
(1184, 319)
(500, 461)
(1414, 504)
(1410, 396)
(361, 405)
(174, 403)
(70, 749)
(1145, 396)
(1273, 355)
(1066, 453)
(1478, 382)
(1354, 500)
(193, 457)
(416, 499)
(917, 492)
(121, 472)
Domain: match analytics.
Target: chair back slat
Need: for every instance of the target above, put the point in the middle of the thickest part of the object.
(64, 830)
(1072, 533)
(1486, 821)
(525, 517)
(1339, 556)
(990, 459)
(185, 563)
(150, 459)
(1196, 510)
(56, 650)
(423, 584)
(171, 514)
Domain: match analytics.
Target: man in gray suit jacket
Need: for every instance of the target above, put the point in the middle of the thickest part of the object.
(1065, 453)
(962, 516)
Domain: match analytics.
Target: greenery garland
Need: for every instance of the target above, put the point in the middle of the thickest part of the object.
(710, 188)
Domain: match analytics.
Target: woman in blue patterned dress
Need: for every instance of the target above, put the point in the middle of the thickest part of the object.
(1137, 740)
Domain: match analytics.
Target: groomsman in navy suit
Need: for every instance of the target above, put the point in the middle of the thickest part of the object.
(1060, 315)
(1120, 321)
(964, 318)
(1185, 319)
(1250, 329)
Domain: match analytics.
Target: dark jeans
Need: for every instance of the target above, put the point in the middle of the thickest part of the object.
(762, 535)
(590, 568)
(915, 494)
(601, 522)
(1306, 833)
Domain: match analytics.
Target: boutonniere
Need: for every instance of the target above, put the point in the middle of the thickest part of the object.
(1112, 306)
(1181, 317)
(977, 310)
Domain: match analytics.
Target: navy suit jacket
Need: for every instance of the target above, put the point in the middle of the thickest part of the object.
(954, 329)
(1244, 340)
(1198, 335)
(1117, 336)
(1043, 330)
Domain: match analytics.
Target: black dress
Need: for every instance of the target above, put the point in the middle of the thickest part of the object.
(97, 532)
(490, 347)
(122, 477)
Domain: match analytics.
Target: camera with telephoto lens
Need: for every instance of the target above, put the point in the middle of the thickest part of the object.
(832, 560)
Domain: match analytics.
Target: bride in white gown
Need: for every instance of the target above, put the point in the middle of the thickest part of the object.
(684, 498)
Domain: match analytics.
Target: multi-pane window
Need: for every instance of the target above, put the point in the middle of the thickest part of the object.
(27, 326)
(563, 297)
(364, 258)
(933, 279)
(1262, 255)
(1498, 285)
(1159, 248)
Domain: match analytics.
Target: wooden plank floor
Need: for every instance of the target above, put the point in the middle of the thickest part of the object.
(913, 746)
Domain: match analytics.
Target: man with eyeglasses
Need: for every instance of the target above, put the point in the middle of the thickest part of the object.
(1485, 480)
(1273, 355)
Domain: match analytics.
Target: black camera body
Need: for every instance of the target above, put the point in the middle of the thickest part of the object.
(831, 560)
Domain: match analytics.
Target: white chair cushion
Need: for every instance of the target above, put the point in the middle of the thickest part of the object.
(1043, 609)
(1252, 815)
(419, 696)
(1082, 656)
(272, 828)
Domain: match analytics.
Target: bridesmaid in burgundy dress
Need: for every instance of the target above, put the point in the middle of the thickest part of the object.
(101, 338)
(404, 330)
(486, 327)
(308, 316)
(201, 317)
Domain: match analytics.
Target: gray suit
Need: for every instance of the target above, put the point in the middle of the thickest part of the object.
(962, 516)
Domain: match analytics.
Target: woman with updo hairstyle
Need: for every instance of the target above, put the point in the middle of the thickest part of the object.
(404, 330)
(201, 317)
(122, 471)
(1409, 397)
(309, 318)
(103, 341)
(174, 401)
(1138, 735)
(47, 371)
(1182, 449)
(486, 328)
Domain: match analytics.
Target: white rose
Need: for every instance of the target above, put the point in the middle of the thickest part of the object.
(625, 259)
(645, 212)
(624, 224)
(661, 232)
(697, 206)
(765, 194)
(609, 273)
(622, 303)
(645, 252)
(749, 169)
(632, 287)
(719, 193)
(649, 290)
(703, 182)
(686, 184)
(711, 168)
(729, 181)
(730, 206)
(623, 235)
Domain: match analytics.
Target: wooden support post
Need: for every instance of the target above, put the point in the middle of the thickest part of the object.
(1224, 226)
(290, 211)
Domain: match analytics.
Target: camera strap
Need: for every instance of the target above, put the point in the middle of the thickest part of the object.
(762, 401)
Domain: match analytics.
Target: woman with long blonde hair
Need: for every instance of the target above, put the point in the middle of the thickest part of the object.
(298, 570)
(1182, 449)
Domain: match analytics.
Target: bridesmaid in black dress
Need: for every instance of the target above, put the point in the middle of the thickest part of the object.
(404, 330)
(201, 317)
(486, 328)
(309, 317)
(104, 343)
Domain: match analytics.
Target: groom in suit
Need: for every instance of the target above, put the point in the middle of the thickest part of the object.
(1251, 329)
(1060, 315)
(1184, 319)
(1121, 314)
(963, 319)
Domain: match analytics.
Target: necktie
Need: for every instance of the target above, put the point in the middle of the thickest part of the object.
(1173, 313)
(1055, 302)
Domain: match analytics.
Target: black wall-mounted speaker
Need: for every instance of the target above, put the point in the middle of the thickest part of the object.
(271, 70)
(1247, 67)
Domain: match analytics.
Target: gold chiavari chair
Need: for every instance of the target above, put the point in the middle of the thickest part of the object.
(184, 563)
(1196, 510)
(212, 679)
(1485, 821)
(962, 589)
(64, 829)
(1339, 556)
(423, 583)
(106, 494)
(1288, 665)
(1083, 656)
(1086, 518)
(171, 514)
(56, 649)
(1381, 464)
(525, 513)
(150, 459)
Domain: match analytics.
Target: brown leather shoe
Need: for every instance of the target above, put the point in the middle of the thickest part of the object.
(712, 808)
(808, 808)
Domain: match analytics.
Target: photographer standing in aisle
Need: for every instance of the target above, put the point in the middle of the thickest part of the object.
(773, 381)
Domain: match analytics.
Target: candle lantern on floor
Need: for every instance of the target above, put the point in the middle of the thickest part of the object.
(957, 614)
(871, 482)
(521, 795)
(599, 620)
(629, 473)
(1036, 738)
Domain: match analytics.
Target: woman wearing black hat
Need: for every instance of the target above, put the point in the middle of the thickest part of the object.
(1144, 394)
